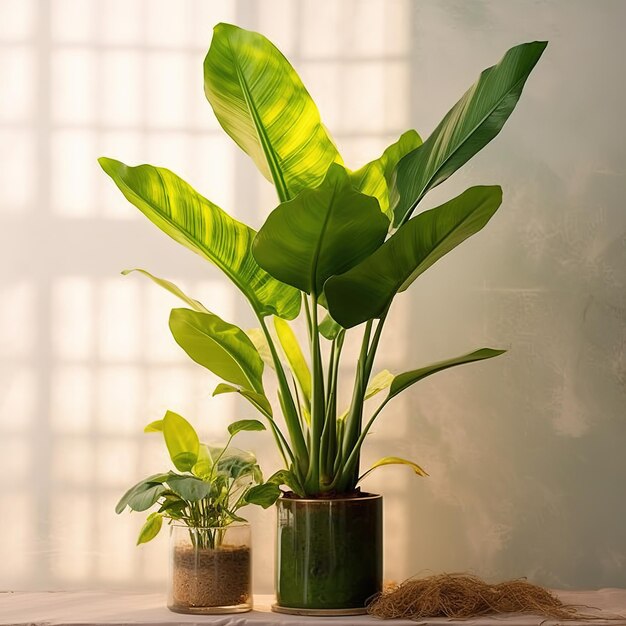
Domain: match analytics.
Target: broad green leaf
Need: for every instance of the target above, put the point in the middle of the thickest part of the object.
(366, 291)
(172, 288)
(321, 232)
(258, 338)
(203, 466)
(154, 427)
(395, 460)
(264, 495)
(144, 494)
(234, 462)
(195, 222)
(221, 347)
(151, 528)
(241, 425)
(376, 177)
(467, 128)
(405, 380)
(260, 101)
(258, 400)
(287, 477)
(173, 506)
(181, 440)
(329, 329)
(293, 352)
(189, 488)
(379, 383)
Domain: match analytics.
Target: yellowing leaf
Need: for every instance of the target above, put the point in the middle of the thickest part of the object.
(395, 460)
(293, 352)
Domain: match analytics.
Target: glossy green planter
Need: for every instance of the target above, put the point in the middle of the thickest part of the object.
(329, 554)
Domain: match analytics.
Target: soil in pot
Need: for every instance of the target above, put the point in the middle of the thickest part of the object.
(210, 577)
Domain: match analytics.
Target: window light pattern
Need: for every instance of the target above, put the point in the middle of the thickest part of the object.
(85, 355)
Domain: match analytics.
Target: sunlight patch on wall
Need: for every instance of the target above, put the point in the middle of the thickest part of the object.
(120, 342)
(18, 396)
(18, 542)
(86, 356)
(74, 86)
(17, 75)
(73, 317)
(115, 561)
(72, 533)
(18, 303)
(72, 398)
(73, 462)
(74, 174)
(17, 155)
(118, 399)
(121, 84)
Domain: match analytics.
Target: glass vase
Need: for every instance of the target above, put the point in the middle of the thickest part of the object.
(329, 554)
(210, 569)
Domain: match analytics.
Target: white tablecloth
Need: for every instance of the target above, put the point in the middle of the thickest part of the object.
(101, 609)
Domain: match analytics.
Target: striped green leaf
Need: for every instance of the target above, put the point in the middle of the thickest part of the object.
(195, 222)
(260, 101)
(366, 291)
(467, 128)
(376, 178)
(221, 347)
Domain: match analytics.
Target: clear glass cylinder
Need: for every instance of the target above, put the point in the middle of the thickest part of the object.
(210, 569)
(329, 554)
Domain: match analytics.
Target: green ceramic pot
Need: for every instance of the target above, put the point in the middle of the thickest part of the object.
(329, 556)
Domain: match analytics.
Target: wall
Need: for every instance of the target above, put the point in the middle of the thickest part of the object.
(525, 453)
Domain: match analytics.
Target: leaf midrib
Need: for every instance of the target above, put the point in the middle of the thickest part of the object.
(436, 368)
(320, 240)
(266, 145)
(443, 238)
(461, 143)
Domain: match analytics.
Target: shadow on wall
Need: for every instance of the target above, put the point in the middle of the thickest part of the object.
(529, 469)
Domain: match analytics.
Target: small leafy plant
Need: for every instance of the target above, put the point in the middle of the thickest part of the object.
(337, 250)
(212, 484)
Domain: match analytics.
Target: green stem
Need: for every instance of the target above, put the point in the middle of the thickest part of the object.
(318, 405)
(356, 405)
(352, 462)
(371, 354)
(307, 312)
(348, 476)
(369, 365)
(289, 410)
(219, 456)
(329, 451)
(351, 466)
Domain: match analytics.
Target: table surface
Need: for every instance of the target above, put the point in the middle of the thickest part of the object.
(97, 608)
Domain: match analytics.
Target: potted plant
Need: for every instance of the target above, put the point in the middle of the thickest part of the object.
(209, 541)
(337, 249)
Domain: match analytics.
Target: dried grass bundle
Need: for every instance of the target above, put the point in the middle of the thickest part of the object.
(465, 596)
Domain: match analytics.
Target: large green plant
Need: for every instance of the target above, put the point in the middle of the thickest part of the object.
(339, 247)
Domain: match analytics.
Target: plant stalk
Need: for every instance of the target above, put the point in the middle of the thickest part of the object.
(289, 410)
(318, 404)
